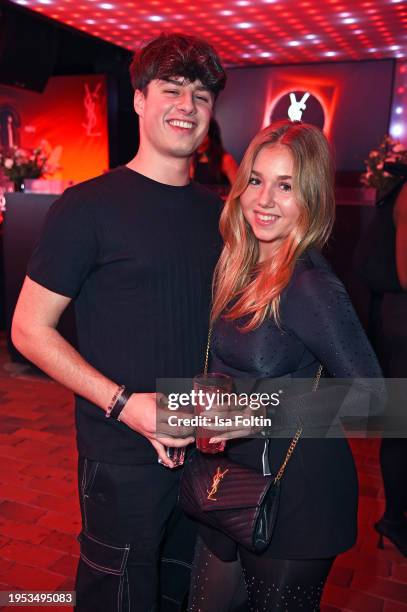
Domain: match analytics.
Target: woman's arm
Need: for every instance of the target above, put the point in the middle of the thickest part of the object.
(400, 221)
(318, 310)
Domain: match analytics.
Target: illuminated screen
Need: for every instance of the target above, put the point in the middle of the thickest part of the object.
(350, 101)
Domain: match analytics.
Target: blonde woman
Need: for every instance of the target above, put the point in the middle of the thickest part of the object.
(280, 311)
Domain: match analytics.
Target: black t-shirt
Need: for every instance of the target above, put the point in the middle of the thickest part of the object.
(137, 257)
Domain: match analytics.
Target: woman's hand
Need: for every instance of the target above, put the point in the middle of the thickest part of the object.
(234, 421)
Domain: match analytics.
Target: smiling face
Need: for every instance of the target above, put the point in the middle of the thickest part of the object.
(269, 203)
(174, 116)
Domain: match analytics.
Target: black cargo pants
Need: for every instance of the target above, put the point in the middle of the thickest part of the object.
(125, 510)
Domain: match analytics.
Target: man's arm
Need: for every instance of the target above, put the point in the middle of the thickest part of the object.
(400, 220)
(34, 334)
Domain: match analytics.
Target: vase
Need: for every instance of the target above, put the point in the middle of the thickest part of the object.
(19, 185)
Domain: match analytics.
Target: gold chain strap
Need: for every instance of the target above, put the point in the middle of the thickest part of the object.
(298, 433)
(208, 346)
(290, 451)
(317, 378)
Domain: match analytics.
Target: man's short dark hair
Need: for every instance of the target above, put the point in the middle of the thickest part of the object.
(171, 55)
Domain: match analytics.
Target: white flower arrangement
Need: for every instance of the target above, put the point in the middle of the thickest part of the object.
(19, 164)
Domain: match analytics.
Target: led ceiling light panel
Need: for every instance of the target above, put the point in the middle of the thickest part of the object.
(247, 32)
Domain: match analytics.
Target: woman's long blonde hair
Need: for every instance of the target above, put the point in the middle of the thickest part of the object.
(242, 285)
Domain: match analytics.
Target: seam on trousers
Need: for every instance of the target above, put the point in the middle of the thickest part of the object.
(126, 547)
(171, 599)
(87, 486)
(90, 483)
(85, 463)
(128, 588)
(100, 568)
(83, 483)
(120, 594)
(177, 561)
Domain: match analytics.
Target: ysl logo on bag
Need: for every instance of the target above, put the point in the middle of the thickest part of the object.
(217, 479)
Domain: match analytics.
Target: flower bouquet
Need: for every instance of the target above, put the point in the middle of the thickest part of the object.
(18, 164)
(375, 175)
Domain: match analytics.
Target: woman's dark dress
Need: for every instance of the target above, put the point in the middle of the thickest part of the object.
(318, 507)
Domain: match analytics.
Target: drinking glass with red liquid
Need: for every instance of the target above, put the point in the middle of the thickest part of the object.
(209, 388)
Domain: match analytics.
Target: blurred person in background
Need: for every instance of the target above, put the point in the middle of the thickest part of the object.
(383, 267)
(211, 164)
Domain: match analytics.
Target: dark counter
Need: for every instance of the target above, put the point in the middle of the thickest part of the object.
(25, 216)
(23, 220)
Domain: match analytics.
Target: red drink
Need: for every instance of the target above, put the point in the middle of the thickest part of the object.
(209, 387)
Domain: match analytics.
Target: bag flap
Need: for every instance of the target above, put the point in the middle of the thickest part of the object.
(220, 484)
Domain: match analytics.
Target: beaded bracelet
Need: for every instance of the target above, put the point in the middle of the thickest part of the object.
(114, 399)
(120, 404)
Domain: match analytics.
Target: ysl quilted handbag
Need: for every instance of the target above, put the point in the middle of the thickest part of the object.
(236, 500)
(239, 501)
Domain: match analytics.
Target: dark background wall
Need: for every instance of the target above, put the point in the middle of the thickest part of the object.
(360, 120)
(33, 48)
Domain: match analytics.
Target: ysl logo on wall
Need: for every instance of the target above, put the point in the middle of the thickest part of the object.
(217, 479)
(90, 100)
(297, 107)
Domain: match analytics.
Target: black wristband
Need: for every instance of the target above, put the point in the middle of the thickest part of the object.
(120, 404)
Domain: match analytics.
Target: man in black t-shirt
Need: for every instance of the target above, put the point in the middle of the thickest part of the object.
(135, 249)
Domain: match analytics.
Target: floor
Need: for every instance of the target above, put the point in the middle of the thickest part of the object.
(39, 514)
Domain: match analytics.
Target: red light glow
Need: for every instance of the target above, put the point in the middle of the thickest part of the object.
(382, 24)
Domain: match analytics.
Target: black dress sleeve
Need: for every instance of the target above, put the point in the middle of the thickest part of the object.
(318, 310)
(67, 249)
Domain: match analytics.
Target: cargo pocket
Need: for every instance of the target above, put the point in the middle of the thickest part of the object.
(102, 580)
(104, 557)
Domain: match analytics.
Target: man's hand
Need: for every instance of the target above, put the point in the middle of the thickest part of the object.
(146, 414)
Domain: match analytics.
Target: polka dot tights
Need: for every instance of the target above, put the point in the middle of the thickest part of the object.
(256, 583)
